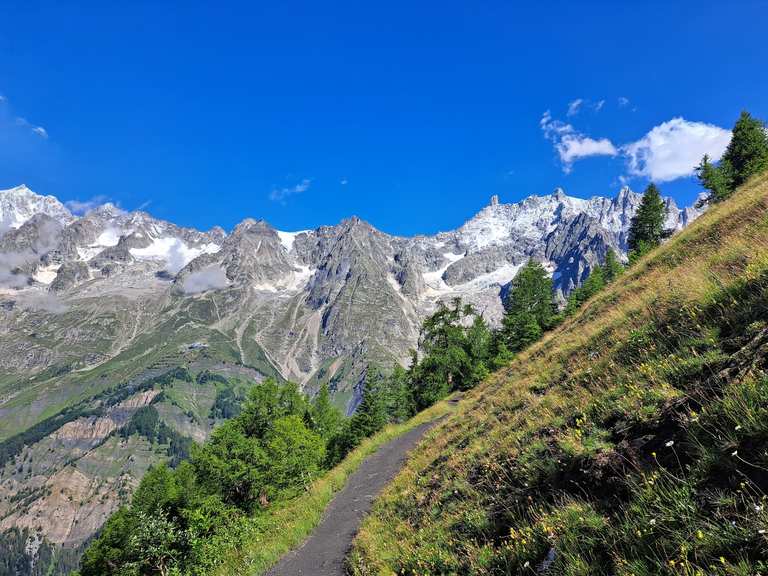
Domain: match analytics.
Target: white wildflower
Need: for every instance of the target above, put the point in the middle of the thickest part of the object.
(670, 444)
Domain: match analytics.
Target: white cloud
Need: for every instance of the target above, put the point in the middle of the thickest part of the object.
(3, 98)
(573, 107)
(599, 105)
(211, 277)
(571, 145)
(280, 194)
(673, 149)
(85, 206)
(40, 131)
(344, 182)
(623, 101)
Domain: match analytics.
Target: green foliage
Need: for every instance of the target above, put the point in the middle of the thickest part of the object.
(531, 293)
(529, 309)
(717, 179)
(647, 227)
(595, 282)
(612, 268)
(454, 341)
(226, 405)
(746, 155)
(265, 454)
(295, 453)
(146, 422)
(324, 415)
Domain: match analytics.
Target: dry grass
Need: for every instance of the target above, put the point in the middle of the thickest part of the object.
(556, 416)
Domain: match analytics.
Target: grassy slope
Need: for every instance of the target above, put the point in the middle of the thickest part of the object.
(631, 440)
(269, 536)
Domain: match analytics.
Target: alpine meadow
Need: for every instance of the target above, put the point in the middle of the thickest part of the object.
(344, 289)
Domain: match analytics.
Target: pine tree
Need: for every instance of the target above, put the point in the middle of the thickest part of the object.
(647, 227)
(717, 179)
(529, 307)
(325, 417)
(612, 268)
(398, 396)
(745, 156)
(531, 293)
(747, 153)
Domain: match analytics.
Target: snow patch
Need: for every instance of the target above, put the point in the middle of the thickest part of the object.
(47, 274)
(110, 237)
(287, 238)
(174, 251)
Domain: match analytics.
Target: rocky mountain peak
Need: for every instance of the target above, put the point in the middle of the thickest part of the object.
(19, 204)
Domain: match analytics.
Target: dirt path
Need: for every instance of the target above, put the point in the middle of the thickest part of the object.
(323, 553)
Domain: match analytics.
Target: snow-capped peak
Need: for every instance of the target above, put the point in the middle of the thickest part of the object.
(19, 204)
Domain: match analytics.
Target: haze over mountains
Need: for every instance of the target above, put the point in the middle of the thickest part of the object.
(96, 309)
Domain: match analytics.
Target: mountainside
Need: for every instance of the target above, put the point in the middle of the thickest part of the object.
(113, 318)
(630, 440)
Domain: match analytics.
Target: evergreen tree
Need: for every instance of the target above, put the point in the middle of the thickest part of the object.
(324, 416)
(747, 153)
(717, 179)
(371, 414)
(529, 307)
(647, 227)
(612, 268)
(531, 293)
(745, 156)
(398, 399)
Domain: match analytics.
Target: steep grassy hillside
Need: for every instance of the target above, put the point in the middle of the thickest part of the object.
(632, 440)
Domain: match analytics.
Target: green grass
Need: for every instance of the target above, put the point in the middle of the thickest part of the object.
(269, 535)
(632, 440)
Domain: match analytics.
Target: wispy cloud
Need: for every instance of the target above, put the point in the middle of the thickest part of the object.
(579, 104)
(573, 107)
(39, 130)
(572, 145)
(281, 194)
(673, 149)
(84, 206)
(623, 101)
(344, 182)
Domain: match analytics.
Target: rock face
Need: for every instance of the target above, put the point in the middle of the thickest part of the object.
(104, 301)
(346, 292)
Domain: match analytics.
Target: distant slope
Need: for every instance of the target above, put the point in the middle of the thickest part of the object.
(631, 440)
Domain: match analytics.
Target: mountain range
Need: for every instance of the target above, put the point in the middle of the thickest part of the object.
(99, 312)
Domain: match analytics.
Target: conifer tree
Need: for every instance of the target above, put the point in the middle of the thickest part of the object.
(529, 307)
(747, 153)
(325, 417)
(612, 268)
(647, 227)
(745, 156)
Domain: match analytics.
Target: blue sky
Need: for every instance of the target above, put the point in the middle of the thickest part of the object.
(407, 114)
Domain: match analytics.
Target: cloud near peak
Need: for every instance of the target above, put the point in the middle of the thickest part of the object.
(667, 152)
(674, 148)
(572, 145)
(280, 194)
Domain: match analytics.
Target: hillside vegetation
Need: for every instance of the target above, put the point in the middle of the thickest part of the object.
(629, 440)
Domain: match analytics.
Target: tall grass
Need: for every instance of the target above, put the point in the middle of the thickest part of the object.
(630, 440)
